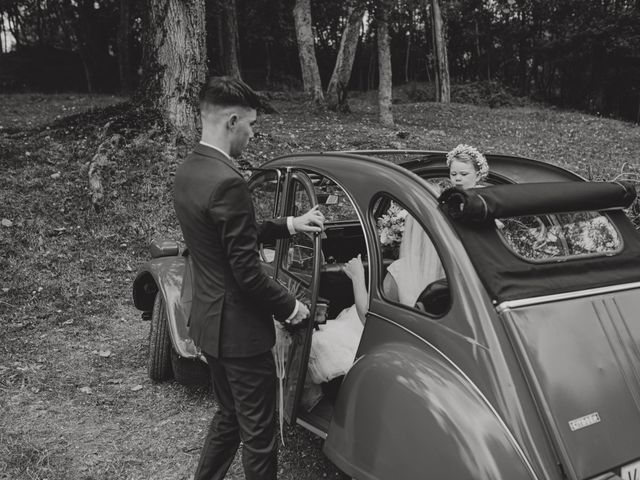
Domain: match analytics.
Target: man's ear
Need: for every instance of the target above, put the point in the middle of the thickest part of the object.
(232, 120)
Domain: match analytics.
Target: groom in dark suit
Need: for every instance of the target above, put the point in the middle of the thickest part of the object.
(234, 300)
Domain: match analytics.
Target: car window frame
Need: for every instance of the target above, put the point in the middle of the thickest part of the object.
(253, 183)
(372, 211)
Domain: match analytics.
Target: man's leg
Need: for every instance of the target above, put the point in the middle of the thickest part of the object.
(223, 438)
(253, 383)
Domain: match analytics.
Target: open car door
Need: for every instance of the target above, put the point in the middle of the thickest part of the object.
(299, 260)
(293, 262)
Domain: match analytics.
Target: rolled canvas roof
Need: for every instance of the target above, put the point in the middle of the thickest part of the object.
(501, 201)
(507, 276)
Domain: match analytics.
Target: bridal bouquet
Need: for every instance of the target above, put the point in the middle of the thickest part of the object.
(391, 226)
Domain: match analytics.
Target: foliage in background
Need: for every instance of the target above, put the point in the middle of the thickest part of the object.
(581, 54)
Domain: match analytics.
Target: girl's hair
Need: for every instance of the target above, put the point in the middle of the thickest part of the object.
(469, 154)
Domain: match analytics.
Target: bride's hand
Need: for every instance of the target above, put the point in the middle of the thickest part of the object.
(354, 268)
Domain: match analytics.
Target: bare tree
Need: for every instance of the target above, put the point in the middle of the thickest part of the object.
(443, 88)
(75, 19)
(229, 38)
(384, 64)
(174, 60)
(306, 51)
(124, 51)
(338, 85)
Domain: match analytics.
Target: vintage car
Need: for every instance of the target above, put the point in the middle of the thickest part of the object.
(523, 362)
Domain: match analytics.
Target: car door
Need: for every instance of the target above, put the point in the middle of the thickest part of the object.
(293, 262)
(299, 261)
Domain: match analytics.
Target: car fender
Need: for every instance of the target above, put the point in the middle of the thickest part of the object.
(406, 413)
(165, 275)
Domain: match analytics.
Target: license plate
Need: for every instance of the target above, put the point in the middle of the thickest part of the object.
(630, 471)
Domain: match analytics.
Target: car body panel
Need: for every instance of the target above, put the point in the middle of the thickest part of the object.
(594, 342)
(167, 275)
(425, 416)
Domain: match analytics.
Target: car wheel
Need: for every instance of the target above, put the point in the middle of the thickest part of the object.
(159, 361)
(190, 371)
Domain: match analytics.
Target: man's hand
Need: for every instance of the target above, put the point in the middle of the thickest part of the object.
(312, 221)
(303, 312)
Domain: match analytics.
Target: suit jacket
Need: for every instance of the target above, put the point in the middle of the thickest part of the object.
(233, 298)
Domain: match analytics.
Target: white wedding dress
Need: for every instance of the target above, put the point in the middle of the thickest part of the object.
(334, 345)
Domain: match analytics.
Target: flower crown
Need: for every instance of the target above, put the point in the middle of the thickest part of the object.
(478, 159)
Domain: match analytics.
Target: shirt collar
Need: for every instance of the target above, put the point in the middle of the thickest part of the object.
(215, 148)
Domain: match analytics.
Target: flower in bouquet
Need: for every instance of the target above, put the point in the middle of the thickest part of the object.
(391, 226)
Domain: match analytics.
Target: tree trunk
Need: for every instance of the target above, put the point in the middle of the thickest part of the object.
(384, 66)
(306, 51)
(220, 37)
(522, 56)
(14, 23)
(230, 42)
(75, 19)
(124, 52)
(267, 78)
(478, 51)
(443, 89)
(4, 47)
(407, 57)
(373, 58)
(338, 85)
(174, 60)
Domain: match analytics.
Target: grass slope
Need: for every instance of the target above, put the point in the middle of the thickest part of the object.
(75, 402)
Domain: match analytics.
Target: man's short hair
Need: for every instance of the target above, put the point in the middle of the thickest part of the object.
(228, 92)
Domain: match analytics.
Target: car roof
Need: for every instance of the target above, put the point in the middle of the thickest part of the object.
(432, 163)
(508, 276)
(502, 168)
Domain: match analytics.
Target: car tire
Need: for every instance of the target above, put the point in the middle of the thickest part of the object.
(190, 371)
(159, 360)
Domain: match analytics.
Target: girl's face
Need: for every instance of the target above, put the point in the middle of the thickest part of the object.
(463, 174)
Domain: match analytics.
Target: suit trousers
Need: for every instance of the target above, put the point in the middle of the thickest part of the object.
(245, 392)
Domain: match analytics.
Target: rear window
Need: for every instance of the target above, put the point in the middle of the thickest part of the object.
(552, 238)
